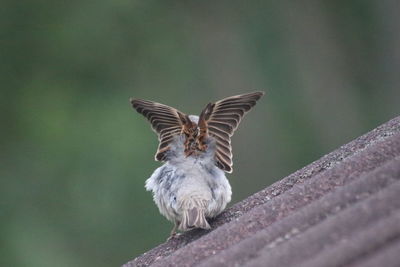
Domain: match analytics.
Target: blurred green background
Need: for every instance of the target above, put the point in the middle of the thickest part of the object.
(74, 155)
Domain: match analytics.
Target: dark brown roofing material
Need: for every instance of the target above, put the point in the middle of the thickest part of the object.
(341, 210)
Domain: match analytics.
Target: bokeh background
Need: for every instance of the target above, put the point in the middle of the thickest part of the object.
(74, 155)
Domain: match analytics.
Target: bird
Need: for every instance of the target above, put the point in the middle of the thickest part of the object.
(191, 187)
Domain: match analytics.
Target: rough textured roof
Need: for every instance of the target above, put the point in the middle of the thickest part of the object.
(341, 210)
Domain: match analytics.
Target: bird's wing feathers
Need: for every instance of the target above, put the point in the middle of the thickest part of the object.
(221, 119)
(218, 120)
(166, 121)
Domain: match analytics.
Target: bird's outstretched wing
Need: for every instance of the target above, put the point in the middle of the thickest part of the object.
(165, 121)
(221, 119)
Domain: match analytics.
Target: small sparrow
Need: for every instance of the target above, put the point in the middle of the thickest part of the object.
(191, 186)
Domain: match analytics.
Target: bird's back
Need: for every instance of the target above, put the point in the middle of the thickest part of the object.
(189, 188)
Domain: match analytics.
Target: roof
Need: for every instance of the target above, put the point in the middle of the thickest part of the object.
(343, 209)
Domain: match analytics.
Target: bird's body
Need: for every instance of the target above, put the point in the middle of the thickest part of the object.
(191, 186)
(189, 189)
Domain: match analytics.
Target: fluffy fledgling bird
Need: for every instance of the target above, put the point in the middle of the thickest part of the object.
(191, 186)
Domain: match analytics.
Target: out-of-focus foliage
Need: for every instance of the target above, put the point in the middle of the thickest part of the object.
(74, 155)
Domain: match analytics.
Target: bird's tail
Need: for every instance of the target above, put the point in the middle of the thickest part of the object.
(193, 215)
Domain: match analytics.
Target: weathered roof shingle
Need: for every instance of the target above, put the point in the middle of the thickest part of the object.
(341, 210)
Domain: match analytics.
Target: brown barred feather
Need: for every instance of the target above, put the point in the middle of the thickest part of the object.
(218, 120)
(221, 119)
(165, 121)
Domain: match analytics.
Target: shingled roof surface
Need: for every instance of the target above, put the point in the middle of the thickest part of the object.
(341, 210)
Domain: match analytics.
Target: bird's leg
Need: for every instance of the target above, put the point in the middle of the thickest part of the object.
(173, 231)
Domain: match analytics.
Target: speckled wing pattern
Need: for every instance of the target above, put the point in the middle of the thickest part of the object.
(221, 119)
(165, 121)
